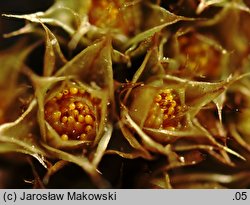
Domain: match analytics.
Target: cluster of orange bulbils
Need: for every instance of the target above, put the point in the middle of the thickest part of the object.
(201, 57)
(72, 112)
(163, 110)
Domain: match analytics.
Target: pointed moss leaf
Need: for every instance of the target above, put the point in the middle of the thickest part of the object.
(12, 60)
(42, 86)
(243, 140)
(204, 4)
(28, 28)
(217, 144)
(39, 17)
(140, 48)
(159, 19)
(199, 94)
(79, 7)
(11, 147)
(160, 135)
(92, 65)
(149, 143)
(53, 169)
(118, 57)
(6, 147)
(81, 30)
(151, 66)
(211, 150)
(167, 136)
(144, 35)
(22, 133)
(219, 102)
(102, 126)
(141, 102)
(138, 149)
(102, 145)
(159, 15)
(70, 10)
(81, 161)
(127, 155)
(53, 53)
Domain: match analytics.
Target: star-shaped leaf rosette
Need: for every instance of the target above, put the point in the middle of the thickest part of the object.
(197, 56)
(161, 115)
(68, 118)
